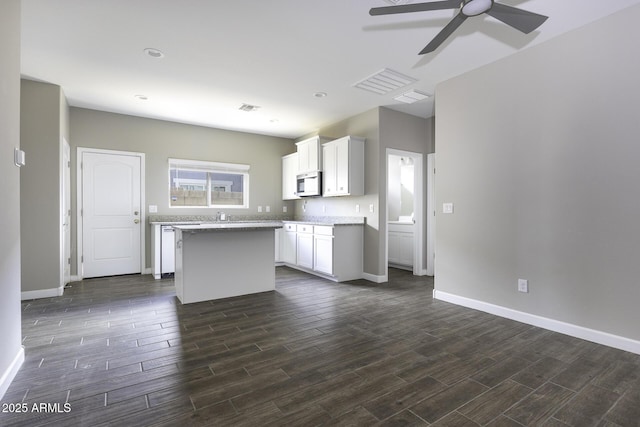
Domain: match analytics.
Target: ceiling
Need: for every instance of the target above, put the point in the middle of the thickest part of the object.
(275, 54)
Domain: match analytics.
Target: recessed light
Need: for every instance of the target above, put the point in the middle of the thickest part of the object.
(141, 97)
(320, 94)
(154, 53)
(274, 121)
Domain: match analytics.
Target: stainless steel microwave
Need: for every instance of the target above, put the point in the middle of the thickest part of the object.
(309, 184)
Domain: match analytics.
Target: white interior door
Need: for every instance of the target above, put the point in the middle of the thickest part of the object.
(66, 212)
(111, 214)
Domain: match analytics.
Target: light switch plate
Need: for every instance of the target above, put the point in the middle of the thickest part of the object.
(153, 209)
(447, 208)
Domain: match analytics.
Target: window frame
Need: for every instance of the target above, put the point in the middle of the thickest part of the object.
(210, 167)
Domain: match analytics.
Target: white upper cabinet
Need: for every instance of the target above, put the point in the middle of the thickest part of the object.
(310, 154)
(289, 172)
(343, 171)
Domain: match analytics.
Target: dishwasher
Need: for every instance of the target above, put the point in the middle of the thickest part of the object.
(167, 244)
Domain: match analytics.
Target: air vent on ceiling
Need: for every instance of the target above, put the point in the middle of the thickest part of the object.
(412, 96)
(397, 2)
(248, 107)
(384, 81)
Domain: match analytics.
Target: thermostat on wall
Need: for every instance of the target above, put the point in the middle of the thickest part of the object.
(18, 157)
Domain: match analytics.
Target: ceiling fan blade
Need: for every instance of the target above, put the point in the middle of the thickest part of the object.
(519, 19)
(419, 7)
(442, 35)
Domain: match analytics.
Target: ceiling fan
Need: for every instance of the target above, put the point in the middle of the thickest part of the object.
(519, 19)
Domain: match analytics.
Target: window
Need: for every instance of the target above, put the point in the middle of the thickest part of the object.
(195, 183)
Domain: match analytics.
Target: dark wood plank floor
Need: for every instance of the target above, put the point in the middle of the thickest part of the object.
(123, 351)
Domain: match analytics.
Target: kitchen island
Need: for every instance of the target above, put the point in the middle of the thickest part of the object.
(224, 260)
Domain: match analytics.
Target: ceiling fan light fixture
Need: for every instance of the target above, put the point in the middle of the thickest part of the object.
(476, 7)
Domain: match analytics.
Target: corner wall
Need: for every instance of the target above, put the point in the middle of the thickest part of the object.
(42, 123)
(383, 128)
(539, 153)
(11, 351)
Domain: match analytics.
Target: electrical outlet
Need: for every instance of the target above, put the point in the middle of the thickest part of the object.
(523, 285)
(259, 208)
(447, 208)
(324, 208)
(371, 208)
(357, 208)
(268, 208)
(284, 209)
(153, 208)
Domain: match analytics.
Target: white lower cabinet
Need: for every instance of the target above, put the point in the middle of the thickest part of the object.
(400, 244)
(288, 244)
(323, 249)
(334, 252)
(305, 250)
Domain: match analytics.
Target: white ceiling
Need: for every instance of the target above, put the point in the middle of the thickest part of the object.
(271, 53)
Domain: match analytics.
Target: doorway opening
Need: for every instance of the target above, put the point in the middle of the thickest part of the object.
(405, 211)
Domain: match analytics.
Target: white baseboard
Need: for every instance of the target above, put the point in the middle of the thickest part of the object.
(375, 278)
(42, 293)
(576, 331)
(10, 373)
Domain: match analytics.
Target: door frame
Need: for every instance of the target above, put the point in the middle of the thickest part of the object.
(418, 210)
(79, 204)
(65, 191)
(431, 214)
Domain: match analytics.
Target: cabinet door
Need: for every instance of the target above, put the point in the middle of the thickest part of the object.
(288, 244)
(406, 249)
(304, 250)
(329, 172)
(342, 167)
(323, 254)
(394, 247)
(289, 172)
(303, 157)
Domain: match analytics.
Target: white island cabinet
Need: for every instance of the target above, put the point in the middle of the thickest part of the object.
(330, 250)
(224, 260)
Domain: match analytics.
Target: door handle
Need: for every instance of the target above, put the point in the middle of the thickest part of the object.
(136, 221)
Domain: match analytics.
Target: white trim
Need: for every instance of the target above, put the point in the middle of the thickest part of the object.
(10, 373)
(576, 331)
(42, 293)
(143, 212)
(431, 214)
(375, 278)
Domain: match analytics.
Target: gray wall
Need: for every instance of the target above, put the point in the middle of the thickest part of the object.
(43, 120)
(383, 128)
(539, 152)
(161, 140)
(9, 185)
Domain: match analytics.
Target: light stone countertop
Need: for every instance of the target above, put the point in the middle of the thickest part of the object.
(232, 226)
